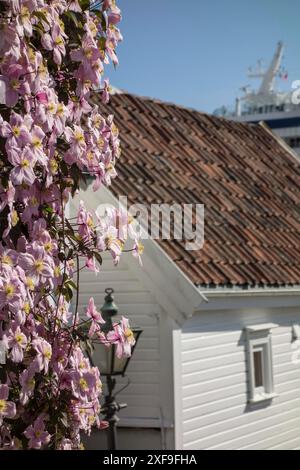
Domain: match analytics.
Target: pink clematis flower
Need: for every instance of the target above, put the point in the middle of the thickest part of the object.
(83, 383)
(112, 243)
(27, 383)
(95, 316)
(138, 250)
(24, 25)
(36, 143)
(16, 132)
(90, 264)
(42, 97)
(76, 140)
(9, 40)
(44, 354)
(105, 92)
(123, 337)
(23, 166)
(12, 85)
(16, 341)
(11, 289)
(56, 43)
(7, 408)
(85, 223)
(74, 6)
(36, 263)
(36, 434)
(88, 54)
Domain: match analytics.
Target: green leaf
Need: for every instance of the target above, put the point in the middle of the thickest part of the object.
(98, 257)
(41, 16)
(101, 18)
(71, 284)
(72, 16)
(102, 43)
(85, 4)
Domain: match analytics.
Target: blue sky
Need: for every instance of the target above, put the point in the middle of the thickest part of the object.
(196, 52)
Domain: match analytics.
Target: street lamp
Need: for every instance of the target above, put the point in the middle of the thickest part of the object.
(111, 366)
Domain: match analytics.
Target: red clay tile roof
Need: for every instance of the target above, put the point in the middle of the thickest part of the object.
(247, 180)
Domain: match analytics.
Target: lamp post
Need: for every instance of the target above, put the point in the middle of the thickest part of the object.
(111, 366)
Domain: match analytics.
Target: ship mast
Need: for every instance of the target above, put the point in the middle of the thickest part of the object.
(269, 76)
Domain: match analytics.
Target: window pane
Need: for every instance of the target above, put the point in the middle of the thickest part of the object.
(258, 368)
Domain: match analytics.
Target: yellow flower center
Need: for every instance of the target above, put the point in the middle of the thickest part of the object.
(31, 54)
(83, 384)
(114, 130)
(129, 334)
(60, 109)
(48, 354)
(53, 166)
(59, 41)
(26, 308)
(16, 131)
(9, 290)
(91, 419)
(14, 218)
(24, 13)
(15, 84)
(51, 107)
(7, 260)
(29, 283)
(88, 53)
(2, 406)
(100, 143)
(90, 222)
(36, 142)
(37, 433)
(93, 28)
(110, 240)
(48, 246)
(90, 156)
(25, 163)
(19, 338)
(39, 264)
(79, 137)
(140, 248)
(97, 121)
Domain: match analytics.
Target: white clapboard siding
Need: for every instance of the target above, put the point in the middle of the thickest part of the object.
(214, 383)
(138, 304)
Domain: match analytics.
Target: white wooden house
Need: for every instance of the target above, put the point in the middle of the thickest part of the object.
(218, 363)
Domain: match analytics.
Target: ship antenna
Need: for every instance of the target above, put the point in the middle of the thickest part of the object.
(269, 76)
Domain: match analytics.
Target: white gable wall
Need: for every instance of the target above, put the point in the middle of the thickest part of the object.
(154, 297)
(211, 386)
(136, 303)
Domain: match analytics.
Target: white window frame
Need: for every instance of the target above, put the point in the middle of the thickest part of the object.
(259, 338)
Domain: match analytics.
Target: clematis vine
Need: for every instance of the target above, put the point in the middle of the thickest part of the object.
(53, 57)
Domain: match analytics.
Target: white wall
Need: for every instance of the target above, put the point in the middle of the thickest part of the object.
(136, 303)
(149, 396)
(211, 383)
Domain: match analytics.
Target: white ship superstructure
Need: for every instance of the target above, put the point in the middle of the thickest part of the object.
(280, 110)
